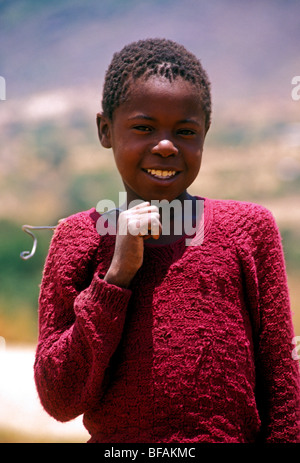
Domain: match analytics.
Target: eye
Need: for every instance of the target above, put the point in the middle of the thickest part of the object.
(142, 128)
(186, 132)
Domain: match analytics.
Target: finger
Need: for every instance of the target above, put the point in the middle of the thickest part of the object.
(155, 227)
(152, 227)
(140, 206)
(147, 224)
(131, 218)
(143, 210)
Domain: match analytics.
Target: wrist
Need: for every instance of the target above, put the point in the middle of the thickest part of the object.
(119, 278)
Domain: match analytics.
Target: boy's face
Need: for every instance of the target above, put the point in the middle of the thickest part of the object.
(157, 138)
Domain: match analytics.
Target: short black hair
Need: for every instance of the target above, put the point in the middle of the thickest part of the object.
(148, 57)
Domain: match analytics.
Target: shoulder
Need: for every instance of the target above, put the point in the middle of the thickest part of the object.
(80, 224)
(75, 238)
(232, 208)
(71, 257)
(84, 217)
(240, 212)
(245, 220)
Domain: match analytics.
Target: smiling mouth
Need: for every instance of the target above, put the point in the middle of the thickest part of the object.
(161, 174)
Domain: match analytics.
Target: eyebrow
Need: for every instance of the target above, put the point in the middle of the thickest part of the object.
(141, 116)
(149, 118)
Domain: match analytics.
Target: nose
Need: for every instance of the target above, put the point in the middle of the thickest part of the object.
(165, 148)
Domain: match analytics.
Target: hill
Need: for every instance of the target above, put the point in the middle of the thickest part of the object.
(248, 48)
(53, 56)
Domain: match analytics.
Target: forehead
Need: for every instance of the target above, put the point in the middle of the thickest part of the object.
(159, 94)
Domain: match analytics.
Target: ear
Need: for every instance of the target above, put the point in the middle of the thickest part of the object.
(104, 130)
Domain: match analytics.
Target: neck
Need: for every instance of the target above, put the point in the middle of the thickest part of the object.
(178, 218)
(132, 199)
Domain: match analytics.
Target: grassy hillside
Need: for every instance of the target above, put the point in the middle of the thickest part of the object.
(53, 55)
(51, 169)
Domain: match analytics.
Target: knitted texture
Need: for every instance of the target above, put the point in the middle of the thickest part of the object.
(198, 349)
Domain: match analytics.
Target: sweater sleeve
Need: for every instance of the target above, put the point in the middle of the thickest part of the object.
(278, 387)
(81, 320)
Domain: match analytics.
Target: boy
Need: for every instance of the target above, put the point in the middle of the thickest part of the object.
(151, 339)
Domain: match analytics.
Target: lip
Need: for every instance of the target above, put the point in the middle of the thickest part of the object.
(176, 169)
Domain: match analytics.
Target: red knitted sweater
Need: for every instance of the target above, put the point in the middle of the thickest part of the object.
(198, 349)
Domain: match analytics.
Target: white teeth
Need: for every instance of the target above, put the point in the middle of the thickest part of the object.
(161, 173)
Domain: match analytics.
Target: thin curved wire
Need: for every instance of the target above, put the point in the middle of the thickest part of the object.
(25, 255)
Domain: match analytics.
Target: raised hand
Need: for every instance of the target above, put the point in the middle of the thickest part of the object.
(134, 226)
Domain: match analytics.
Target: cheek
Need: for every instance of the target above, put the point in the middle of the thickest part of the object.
(126, 163)
(128, 154)
(121, 165)
(194, 160)
(194, 168)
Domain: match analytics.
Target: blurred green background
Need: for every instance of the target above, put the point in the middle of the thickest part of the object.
(53, 56)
